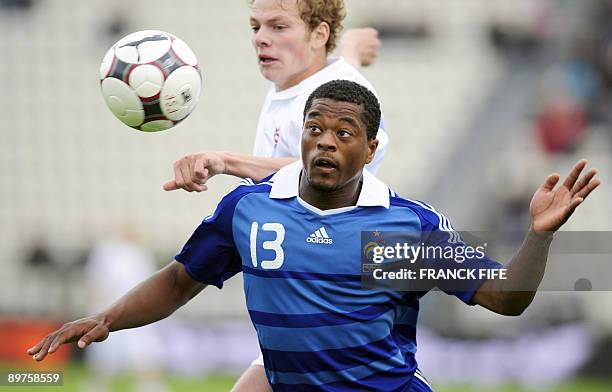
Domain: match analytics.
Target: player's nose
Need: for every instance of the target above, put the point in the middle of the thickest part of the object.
(262, 38)
(326, 141)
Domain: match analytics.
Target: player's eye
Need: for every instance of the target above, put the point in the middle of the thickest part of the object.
(314, 128)
(343, 133)
(254, 29)
(279, 27)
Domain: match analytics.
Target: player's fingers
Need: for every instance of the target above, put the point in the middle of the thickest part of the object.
(178, 175)
(193, 175)
(574, 204)
(97, 334)
(200, 168)
(204, 176)
(572, 177)
(551, 181)
(196, 180)
(590, 187)
(188, 172)
(583, 181)
(186, 176)
(34, 349)
(61, 338)
(198, 187)
(44, 349)
(170, 186)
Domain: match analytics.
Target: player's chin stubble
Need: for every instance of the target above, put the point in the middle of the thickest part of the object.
(321, 185)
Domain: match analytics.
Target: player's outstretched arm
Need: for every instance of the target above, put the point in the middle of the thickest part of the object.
(152, 300)
(193, 171)
(550, 208)
(359, 47)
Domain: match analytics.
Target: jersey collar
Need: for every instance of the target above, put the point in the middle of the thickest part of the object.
(285, 185)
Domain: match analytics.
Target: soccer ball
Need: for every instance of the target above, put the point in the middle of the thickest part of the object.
(150, 80)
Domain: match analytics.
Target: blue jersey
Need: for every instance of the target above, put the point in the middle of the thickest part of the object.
(317, 327)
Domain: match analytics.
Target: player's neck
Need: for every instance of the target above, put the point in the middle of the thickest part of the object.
(346, 196)
(316, 66)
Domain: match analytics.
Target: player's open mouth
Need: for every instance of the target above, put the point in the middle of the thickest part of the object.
(265, 60)
(325, 164)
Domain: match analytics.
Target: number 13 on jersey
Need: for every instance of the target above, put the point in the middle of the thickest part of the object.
(273, 245)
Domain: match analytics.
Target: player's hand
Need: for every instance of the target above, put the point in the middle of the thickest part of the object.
(550, 208)
(86, 331)
(191, 172)
(360, 46)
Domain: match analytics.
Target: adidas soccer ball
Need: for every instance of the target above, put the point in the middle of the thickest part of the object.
(150, 80)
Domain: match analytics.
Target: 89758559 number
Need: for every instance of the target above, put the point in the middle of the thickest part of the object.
(26, 377)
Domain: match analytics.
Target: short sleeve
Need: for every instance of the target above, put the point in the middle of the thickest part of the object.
(210, 255)
(462, 268)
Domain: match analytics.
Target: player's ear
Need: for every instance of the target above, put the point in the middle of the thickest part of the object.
(372, 145)
(320, 35)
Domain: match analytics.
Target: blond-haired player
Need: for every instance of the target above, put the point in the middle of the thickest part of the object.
(293, 40)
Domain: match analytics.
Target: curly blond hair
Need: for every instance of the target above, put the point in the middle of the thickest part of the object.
(313, 12)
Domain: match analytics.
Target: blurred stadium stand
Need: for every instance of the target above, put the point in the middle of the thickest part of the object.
(461, 83)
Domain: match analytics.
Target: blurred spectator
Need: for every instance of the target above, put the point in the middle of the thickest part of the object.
(524, 29)
(115, 266)
(594, 49)
(38, 254)
(566, 91)
(117, 26)
(119, 20)
(16, 4)
(560, 126)
(508, 39)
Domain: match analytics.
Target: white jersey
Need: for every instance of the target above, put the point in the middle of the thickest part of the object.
(279, 130)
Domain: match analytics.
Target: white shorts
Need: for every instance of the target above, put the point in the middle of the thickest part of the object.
(258, 361)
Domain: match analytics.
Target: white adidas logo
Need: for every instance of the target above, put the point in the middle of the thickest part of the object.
(320, 237)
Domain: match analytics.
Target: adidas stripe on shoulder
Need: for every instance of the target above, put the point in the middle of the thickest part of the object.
(443, 222)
